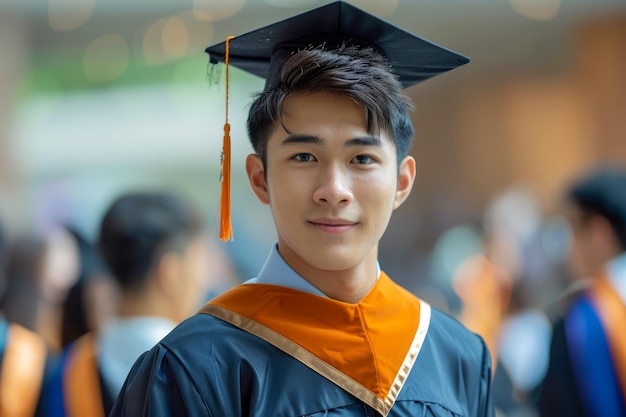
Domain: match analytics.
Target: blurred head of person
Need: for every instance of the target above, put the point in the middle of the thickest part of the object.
(91, 301)
(153, 244)
(22, 293)
(39, 270)
(596, 210)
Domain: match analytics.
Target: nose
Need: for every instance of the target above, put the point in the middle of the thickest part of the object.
(333, 187)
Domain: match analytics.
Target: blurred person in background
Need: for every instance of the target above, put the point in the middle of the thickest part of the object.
(587, 372)
(517, 333)
(22, 295)
(24, 360)
(492, 267)
(514, 230)
(154, 246)
(40, 269)
(92, 300)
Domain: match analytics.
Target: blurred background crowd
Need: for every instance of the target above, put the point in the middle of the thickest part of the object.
(99, 98)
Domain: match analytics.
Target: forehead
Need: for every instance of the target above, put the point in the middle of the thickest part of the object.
(324, 106)
(325, 113)
(330, 117)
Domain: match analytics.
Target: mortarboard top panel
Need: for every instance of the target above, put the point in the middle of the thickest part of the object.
(262, 51)
(604, 190)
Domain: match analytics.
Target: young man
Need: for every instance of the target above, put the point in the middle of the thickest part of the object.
(322, 331)
(587, 373)
(153, 244)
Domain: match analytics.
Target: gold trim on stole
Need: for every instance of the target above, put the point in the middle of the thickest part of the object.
(326, 370)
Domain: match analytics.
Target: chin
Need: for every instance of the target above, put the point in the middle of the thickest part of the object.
(333, 260)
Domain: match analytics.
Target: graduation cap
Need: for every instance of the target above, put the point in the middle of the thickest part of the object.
(604, 192)
(263, 51)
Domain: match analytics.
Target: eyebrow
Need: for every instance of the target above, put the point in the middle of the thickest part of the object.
(316, 140)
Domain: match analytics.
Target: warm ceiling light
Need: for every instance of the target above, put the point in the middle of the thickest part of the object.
(152, 43)
(69, 14)
(200, 32)
(537, 9)
(212, 10)
(174, 37)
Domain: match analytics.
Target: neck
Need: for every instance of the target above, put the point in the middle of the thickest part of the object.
(345, 286)
(135, 304)
(349, 285)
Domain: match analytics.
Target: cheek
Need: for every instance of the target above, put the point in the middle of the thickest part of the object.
(197, 269)
(580, 255)
(288, 189)
(379, 190)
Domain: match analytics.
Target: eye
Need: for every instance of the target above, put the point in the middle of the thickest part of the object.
(363, 159)
(304, 157)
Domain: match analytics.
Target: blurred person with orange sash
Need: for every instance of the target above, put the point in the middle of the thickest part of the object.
(587, 372)
(23, 362)
(154, 247)
(484, 289)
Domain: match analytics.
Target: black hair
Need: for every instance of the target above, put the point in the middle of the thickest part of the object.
(360, 73)
(139, 228)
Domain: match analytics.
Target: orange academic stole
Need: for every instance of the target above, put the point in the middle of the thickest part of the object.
(81, 381)
(22, 372)
(378, 365)
(612, 312)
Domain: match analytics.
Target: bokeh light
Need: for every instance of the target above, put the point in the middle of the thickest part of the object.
(69, 14)
(537, 9)
(174, 37)
(152, 44)
(212, 10)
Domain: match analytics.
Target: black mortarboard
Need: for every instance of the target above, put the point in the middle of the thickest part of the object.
(263, 51)
(604, 192)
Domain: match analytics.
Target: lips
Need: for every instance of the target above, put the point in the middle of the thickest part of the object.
(333, 225)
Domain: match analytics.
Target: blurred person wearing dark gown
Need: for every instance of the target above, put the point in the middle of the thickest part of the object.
(154, 247)
(91, 301)
(40, 269)
(587, 371)
(24, 359)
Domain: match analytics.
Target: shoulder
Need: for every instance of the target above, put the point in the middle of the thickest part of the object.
(200, 359)
(207, 344)
(206, 330)
(448, 333)
(451, 349)
(458, 365)
(582, 315)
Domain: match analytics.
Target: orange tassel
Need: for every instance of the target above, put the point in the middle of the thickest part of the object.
(226, 227)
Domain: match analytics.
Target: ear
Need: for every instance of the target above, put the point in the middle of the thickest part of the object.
(256, 176)
(603, 236)
(167, 273)
(406, 177)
